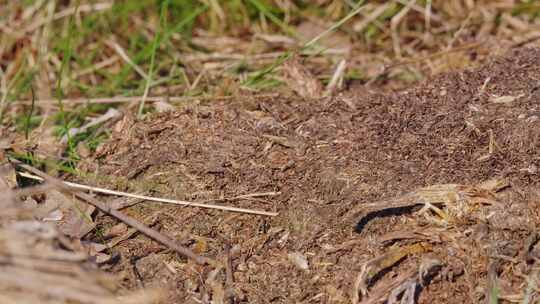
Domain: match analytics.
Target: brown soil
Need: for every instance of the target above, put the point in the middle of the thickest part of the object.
(327, 157)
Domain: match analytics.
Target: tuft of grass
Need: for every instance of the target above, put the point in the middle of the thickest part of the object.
(258, 78)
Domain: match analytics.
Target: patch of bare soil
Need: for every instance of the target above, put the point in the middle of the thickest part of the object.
(452, 162)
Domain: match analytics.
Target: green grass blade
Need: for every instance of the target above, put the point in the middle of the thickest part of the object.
(334, 26)
(155, 44)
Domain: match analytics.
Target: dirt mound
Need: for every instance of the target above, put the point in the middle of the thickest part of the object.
(327, 158)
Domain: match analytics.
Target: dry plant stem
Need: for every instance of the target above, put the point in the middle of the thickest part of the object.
(458, 32)
(120, 51)
(171, 201)
(153, 234)
(96, 67)
(337, 77)
(109, 115)
(333, 27)
(372, 18)
(15, 31)
(394, 23)
(120, 99)
(224, 57)
(421, 10)
(86, 8)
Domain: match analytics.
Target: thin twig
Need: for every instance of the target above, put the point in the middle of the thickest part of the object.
(153, 234)
(170, 201)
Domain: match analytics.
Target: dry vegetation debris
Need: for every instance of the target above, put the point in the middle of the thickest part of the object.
(440, 179)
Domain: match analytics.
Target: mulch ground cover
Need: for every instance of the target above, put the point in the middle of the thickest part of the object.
(429, 193)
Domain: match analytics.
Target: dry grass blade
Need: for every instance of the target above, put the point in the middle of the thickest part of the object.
(396, 20)
(96, 67)
(127, 99)
(371, 17)
(111, 114)
(172, 201)
(85, 8)
(337, 78)
(122, 53)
